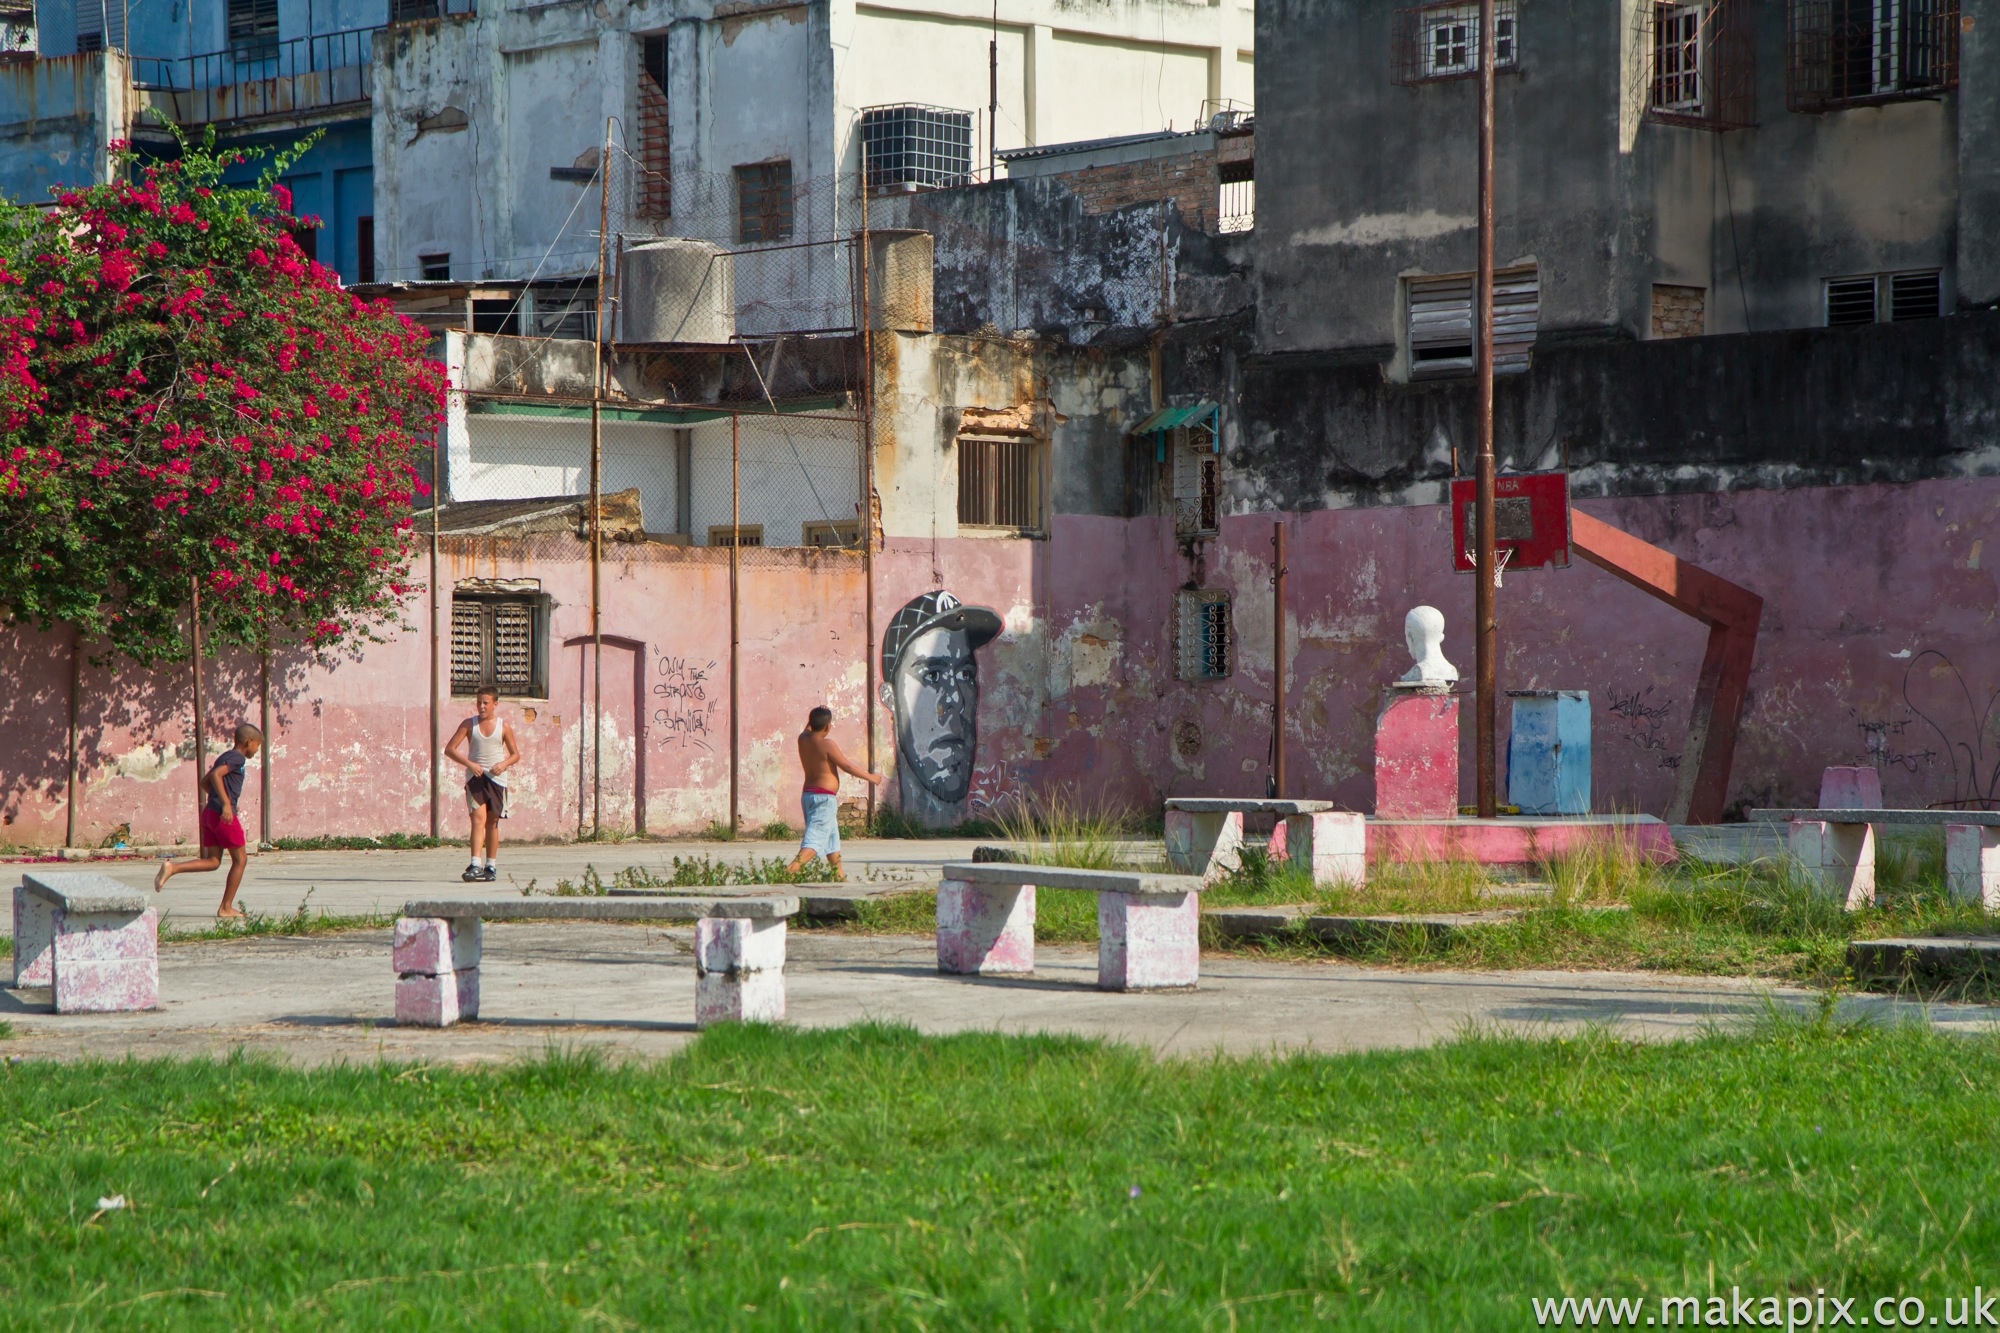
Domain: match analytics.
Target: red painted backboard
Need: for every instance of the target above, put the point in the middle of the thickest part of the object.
(1531, 520)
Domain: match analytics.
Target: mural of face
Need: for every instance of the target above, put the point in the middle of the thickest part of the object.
(930, 677)
(937, 712)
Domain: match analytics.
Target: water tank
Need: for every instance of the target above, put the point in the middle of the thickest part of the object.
(677, 291)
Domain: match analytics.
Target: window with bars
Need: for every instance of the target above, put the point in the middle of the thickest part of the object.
(655, 149)
(1850, 52)
(1197, 483)
(1000, 482)
(1869, 298)
(253, 29)
(742, 535)
(1703, 66)
(764, 202)
(1204, 637)
(1442, 41)
(1440, 321)
(502, 642)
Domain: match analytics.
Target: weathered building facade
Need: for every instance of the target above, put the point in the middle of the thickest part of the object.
(1107, 402)
(744, 123)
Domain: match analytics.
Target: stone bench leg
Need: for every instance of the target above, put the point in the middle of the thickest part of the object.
(1839, 859)
(104, 962)
(34, 938)
(739, 969)
(1148, 943)
(985, 929)
(1333, 843)
(437, 970)
(1209, 845)
(1971, 864)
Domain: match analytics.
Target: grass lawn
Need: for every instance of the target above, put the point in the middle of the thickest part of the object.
(874, 1178)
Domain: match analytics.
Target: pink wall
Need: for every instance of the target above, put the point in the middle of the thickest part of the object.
(1879, 642)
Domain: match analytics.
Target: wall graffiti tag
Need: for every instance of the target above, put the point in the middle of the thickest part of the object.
(1645, 722)
(1970, 732)
(684, 703)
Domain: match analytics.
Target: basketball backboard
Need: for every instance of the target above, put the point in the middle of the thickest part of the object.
(1531, 520)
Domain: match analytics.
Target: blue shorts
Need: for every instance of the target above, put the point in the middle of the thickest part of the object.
(822, 823)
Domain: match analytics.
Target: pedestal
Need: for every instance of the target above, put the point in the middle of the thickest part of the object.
(1850, 789)
(1416, 757)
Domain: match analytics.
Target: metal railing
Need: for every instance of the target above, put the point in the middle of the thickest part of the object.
(277, 77)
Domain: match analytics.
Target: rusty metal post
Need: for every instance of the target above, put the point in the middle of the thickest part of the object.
(437, 499)
(1486, 635)
(993, 98)
(1278, 658)
(264, 725)
(867, 528)
(75, 689)
(735, 638)
(597, 501)
(200, 731)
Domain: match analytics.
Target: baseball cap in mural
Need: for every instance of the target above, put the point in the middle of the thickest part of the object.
(935, 610)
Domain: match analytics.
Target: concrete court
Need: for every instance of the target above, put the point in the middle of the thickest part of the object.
(630, 989)
(379, 883)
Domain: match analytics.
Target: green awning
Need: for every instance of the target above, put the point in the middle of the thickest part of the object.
(1201, 416)
(1173, 418)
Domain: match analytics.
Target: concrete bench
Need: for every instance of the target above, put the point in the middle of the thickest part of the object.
(1205, 837)
(1148, 926)
(739, 951)
(1836, 846)
(89, 939)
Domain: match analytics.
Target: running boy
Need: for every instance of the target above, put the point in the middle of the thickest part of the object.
(494, 751)
(823, 763)
(220, 828)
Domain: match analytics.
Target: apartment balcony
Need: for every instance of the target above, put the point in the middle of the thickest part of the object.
(299, 79)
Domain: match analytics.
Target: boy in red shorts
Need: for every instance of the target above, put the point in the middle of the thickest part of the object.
(220, 827)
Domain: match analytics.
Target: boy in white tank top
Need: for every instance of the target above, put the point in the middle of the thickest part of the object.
(493, 750)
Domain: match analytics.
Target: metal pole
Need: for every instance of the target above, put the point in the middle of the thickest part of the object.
(264, 769)
(993, 96)
(1278, 659)
(1483, 614)
(597, 502)
(735, 559)
(867, 490)
(437, 499)
(200, 732)
(75, 689)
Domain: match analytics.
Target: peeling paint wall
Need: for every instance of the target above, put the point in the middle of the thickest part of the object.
(1378, 181)
(1881, 608)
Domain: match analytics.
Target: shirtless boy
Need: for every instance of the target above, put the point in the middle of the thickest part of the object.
(220, 828)
(823, 763)
(494, 750)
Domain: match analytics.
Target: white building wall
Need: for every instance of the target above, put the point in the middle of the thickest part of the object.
(471, 114)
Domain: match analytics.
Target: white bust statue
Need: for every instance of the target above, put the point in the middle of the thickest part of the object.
(1423, 631)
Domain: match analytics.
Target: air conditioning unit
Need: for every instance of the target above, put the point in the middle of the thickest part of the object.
(913, 147)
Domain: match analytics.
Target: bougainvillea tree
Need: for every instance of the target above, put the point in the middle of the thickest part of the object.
(186, 399)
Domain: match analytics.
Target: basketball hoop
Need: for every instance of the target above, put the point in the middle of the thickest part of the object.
(1501, 555)
(1531, 522)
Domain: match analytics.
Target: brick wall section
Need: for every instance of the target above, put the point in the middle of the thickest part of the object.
(1189, 180)
(1679, 312)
